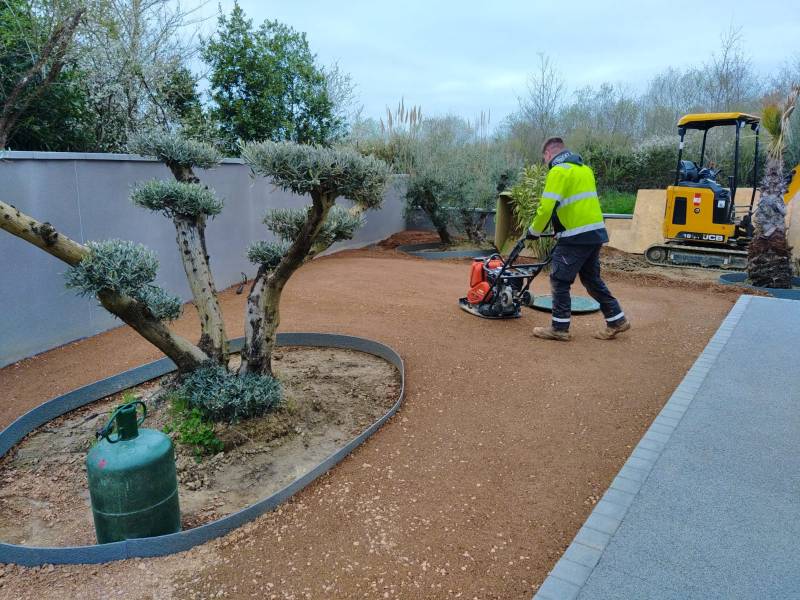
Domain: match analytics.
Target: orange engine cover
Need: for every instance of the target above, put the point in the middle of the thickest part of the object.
(476, 274)
(478, 293)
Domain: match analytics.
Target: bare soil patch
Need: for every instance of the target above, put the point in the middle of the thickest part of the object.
(330, 395)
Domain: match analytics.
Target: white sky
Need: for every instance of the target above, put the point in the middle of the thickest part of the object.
(467, 56)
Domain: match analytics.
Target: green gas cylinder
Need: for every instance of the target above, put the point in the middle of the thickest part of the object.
(132, 480)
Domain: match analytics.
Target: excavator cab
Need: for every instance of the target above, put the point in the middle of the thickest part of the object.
(702, 225)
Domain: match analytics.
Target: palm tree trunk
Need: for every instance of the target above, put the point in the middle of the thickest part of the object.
(769, 262)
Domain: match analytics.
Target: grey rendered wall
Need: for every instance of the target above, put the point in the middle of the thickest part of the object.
(86, 196)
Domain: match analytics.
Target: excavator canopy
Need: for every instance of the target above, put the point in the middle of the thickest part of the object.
(709, 120)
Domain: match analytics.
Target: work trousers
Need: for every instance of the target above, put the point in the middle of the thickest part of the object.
(570, 261)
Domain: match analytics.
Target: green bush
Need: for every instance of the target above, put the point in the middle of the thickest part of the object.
(223, 396)
(191, 427)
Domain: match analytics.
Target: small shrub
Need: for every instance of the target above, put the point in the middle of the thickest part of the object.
(223, 396)
(191, 427)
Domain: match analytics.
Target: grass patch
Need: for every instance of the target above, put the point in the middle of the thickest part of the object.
(621, 203)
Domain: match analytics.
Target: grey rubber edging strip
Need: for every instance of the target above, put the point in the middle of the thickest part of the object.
(421, 251)
(183, 540)
(572, 571)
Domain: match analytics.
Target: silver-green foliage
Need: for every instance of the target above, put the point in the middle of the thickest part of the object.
(267, 254)
(126, 268)
(287, 224)
(174, 198)
(224, 396)
(174, 149)
(304, 169)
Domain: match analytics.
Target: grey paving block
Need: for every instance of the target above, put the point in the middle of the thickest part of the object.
(635, 474)
(558, 589)
(592, 538)
(582, 554)
(619, 497)
(666, 421)
(650, 444)
(646, 453)
(571, 571)
(609, 509)
(640, 463)
(673, 411)
(602, 523)
(658, 437)
(626, 485)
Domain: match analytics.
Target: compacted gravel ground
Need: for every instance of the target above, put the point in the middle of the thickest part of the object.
(473, 490)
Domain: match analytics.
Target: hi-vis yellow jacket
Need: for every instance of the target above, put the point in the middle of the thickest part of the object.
(570, 200)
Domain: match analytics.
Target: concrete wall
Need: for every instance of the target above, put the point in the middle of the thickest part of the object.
(86, 196)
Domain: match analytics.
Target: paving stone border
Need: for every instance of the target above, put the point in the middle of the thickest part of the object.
(31, 556)
(573, 569)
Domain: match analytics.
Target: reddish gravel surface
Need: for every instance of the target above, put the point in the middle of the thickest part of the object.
(472, 491)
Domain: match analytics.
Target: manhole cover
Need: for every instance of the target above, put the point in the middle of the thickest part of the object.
(580, 304)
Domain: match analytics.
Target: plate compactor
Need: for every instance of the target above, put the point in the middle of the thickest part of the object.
(499, 288)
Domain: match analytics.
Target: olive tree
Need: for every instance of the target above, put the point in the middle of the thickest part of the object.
(455, 177)
(120, 274)
(325, 174)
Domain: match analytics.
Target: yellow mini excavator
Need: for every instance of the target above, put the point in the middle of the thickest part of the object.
(703, 227)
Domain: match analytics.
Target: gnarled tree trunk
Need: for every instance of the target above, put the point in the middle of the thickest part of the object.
(431, 208)
(192, 246)
(43, 235)
(263, 302)
(191, 239)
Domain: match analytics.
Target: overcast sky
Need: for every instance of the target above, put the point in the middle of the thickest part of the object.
(466, 57)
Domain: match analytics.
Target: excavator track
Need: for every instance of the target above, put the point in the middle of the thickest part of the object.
(696, 257)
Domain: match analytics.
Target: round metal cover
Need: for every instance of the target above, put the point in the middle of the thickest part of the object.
(580, 304)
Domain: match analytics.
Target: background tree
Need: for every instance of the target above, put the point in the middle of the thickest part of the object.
(133, 55)
(265, 84)
(34, 46)
(769, 255)
(456, 174)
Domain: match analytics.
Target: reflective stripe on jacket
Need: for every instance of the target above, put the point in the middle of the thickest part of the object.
(570, 201)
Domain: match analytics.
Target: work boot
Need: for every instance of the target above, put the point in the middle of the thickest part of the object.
(548, 333)
(610, 332)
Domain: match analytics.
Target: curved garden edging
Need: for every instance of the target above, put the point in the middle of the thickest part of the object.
(425, 251)
(740, 278)
(30, 556)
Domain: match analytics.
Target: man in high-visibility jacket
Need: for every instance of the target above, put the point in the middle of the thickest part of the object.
(570, 203)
